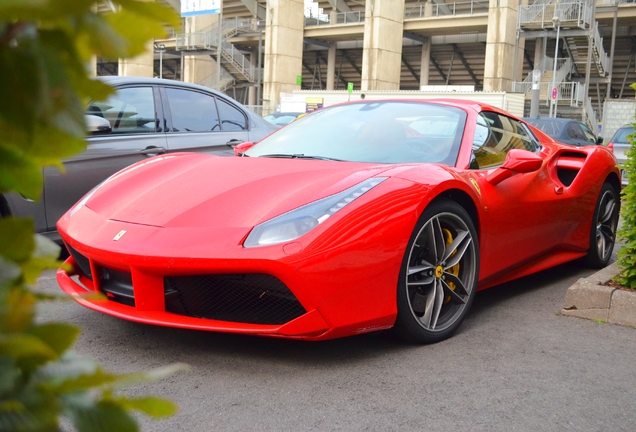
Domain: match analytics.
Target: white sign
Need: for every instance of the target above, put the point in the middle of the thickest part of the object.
(199, 7)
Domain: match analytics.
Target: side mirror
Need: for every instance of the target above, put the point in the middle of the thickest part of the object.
(599, 140)
(517, 162)
(241, 148)
(96, 125)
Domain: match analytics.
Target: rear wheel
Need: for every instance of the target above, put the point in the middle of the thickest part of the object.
(439, 274)
(603, 232)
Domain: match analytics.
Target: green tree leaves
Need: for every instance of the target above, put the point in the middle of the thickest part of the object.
(627, 253)
(44, 49)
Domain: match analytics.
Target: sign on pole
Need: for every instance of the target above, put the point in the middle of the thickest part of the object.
(299, 80)
(199, 7)
(349, 87)
(555, 93)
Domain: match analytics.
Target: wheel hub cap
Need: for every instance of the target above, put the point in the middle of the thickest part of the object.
(439, 271)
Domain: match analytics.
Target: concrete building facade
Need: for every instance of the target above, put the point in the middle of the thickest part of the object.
(271, 46)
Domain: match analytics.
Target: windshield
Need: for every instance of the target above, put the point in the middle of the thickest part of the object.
(373, 131)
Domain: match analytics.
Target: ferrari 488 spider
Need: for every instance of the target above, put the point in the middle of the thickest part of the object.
(358, 217)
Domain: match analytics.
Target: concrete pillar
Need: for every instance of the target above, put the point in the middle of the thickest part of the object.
(331, 66)
(426, 62)
(500, 45)
(382, 48)
(283, 50)
(428, 8)
(199, 69)
(142, 65)
(251, 90)
(538, 51)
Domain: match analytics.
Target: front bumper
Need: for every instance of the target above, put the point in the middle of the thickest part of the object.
(150, 308)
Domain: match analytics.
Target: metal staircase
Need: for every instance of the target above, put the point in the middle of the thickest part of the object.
(574, 24)
(236, 68)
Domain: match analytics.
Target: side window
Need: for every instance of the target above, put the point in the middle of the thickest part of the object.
(129, 111)
(574, 131)
(231, 118)
(589, 135)
(495, 136)
(192, 111)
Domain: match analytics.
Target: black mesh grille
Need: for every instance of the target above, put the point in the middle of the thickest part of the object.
(248, 298)
(117, 285)
(81, 261)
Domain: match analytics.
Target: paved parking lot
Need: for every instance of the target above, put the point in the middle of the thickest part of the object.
(515, 365)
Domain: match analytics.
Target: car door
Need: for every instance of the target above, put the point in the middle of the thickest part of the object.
(203, 122)
(521, 218)
(135, 134)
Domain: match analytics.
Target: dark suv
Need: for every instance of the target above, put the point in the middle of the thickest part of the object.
(144, 118)
(567, 131)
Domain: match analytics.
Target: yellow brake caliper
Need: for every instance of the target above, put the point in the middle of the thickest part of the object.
(454, 270)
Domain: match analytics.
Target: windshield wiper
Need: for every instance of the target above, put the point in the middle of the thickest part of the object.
(299, 156)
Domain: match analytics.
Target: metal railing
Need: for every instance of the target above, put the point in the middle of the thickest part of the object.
(238, 60)
(447, 9)
(577, 13)
(212, 81)
(547, 63)
(603, 58)
(590, 116)
(352, 17)
(195, 40)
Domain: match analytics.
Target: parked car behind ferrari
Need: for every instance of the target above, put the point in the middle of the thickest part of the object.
(565, 130)
(619, 144)
(144, 118)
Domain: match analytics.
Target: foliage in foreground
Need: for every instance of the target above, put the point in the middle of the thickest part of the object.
(44, 47)
(627, 233)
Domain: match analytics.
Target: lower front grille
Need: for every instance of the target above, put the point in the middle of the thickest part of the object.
(82, 262)
(245, 298)
(116, 285)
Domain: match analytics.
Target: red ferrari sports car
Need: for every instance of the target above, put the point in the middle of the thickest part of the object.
(358, 217)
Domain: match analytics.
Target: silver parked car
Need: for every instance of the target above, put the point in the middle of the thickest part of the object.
(144, 118)
(619, 145)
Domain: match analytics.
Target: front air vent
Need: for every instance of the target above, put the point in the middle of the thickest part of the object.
(244, 298)
(82, 262)
(569, 165)
(116, 285)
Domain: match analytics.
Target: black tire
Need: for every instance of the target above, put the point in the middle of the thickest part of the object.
(603, 231)
(439, 274)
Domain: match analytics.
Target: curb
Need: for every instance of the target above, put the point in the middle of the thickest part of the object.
(587, 298)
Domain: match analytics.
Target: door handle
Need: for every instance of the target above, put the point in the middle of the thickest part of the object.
(152, 150)
(233, 142)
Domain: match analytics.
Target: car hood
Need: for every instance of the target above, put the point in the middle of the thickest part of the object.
(189, 190)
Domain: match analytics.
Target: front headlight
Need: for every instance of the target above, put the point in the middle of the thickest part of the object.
(300, 221)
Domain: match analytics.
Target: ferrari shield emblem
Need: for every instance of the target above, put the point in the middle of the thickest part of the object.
(119, 235)
(474, 182)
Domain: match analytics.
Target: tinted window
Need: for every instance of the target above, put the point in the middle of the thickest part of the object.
(588, 134)
(129, 111)
(231, 118)
(622, 135)
(495, 136)
(192, 111)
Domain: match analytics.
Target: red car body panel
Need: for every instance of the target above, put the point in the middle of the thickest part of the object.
(344, 272)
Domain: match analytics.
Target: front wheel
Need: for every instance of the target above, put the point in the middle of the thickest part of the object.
(439, 273)
(603, 232)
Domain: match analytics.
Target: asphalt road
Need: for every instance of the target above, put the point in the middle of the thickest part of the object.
(515, 365)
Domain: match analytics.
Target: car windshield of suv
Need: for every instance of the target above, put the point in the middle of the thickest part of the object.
(373, 131)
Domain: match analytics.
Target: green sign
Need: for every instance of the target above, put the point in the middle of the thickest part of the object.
(349, 87)
(299, 80)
